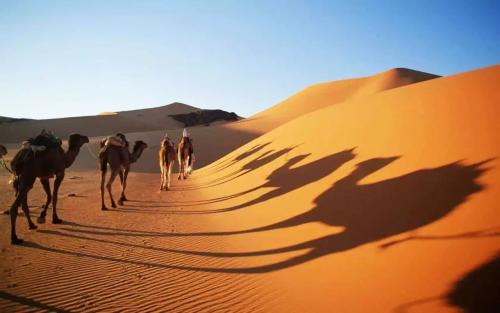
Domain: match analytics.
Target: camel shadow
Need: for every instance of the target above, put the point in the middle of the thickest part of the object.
(286, 179)
(374, 211)
(250, 166)
(367, 212)
(241, 156)
(478, 291)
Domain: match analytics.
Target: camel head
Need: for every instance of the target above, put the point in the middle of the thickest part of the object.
(166, 142)
(75, 141)
(3, 151)
(139, 145)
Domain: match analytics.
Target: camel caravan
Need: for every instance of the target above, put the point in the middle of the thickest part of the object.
(43, 157)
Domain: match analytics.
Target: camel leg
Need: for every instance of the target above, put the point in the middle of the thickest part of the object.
(103, 179)
(180, 168)
(26, 211)
(186, 167)
(14, 240)
(169, 172)
(22, 189)
(46, 186)
(114, 173)
(123, 180)
(57, 184)
(162, 184)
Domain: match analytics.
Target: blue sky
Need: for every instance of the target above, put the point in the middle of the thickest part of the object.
(70, 58)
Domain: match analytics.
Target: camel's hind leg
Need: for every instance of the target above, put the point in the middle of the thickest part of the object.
(46, 186)
(13, 216)
(114, 173)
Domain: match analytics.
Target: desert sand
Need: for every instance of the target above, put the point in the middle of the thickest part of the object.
(377, 194)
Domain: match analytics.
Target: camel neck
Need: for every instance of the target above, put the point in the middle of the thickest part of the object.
(134, 156)
(70, 156)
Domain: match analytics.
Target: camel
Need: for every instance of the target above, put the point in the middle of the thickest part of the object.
(184, 152)
(28, 164)
(113, 155)
(166, 157)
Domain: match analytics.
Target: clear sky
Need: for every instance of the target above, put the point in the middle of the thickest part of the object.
(69, 58)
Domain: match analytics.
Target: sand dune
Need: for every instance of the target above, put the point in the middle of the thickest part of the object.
(99, 125)
(375, 198)
(218, 140)
(385, 200)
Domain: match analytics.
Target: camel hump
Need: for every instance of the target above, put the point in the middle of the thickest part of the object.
(113, 141)
(45, 139)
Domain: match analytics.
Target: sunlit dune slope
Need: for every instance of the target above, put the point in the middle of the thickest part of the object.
(325, 94)
(99, 125)
(382, 202)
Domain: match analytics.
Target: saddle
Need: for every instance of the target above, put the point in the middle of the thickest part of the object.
(42, 142)
(31, 147)
(118, 141)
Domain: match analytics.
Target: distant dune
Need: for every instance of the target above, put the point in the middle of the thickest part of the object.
(99, 125)
(5, 119)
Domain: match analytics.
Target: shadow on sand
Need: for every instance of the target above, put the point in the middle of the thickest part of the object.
(29, 302)
(367, 212)
(479, 290)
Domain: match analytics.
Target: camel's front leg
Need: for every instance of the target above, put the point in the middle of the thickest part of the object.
(123, 179)
(114, 173)
(57, 184)
(22, 191)
(46, 186)
(13, 216)
(26, 211)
